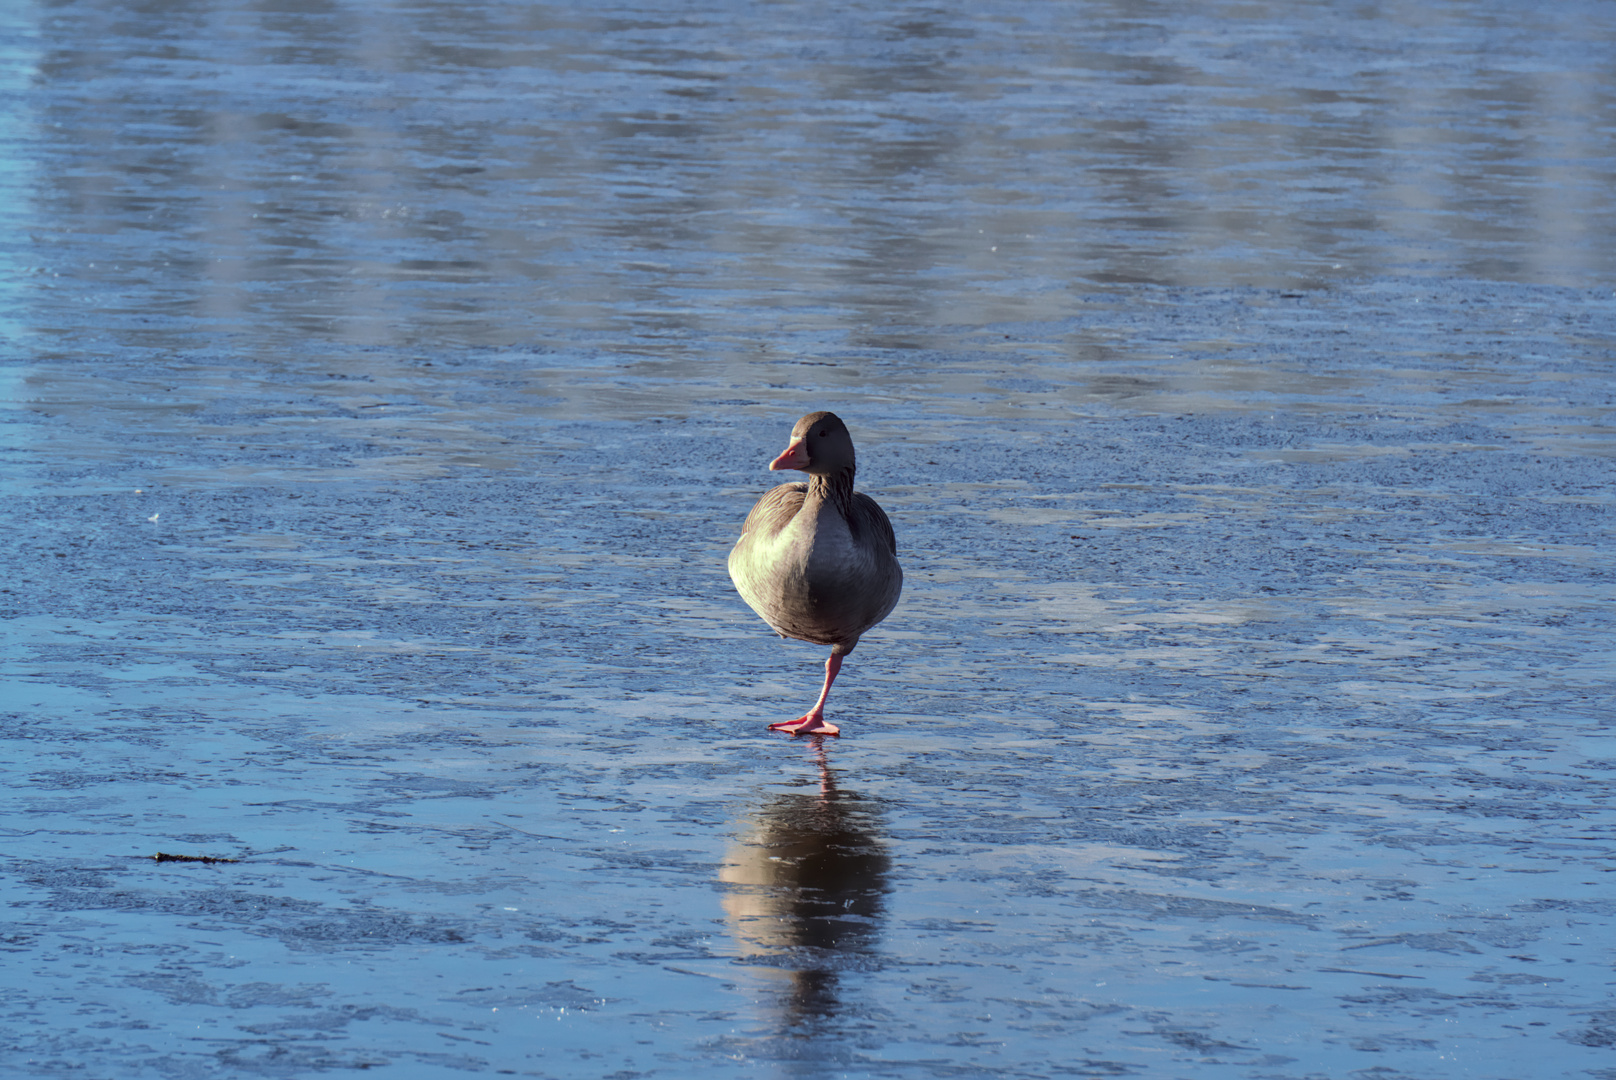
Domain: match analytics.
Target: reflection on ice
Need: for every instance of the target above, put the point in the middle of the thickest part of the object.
(806, 882)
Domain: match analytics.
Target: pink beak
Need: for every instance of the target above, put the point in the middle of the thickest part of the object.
(795, 457)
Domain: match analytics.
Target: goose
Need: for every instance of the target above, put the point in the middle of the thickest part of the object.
(818, 561)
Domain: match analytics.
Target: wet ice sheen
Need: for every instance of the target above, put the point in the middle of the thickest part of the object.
(385, 385)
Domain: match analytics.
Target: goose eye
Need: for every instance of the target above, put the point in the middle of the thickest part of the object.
(821, 434)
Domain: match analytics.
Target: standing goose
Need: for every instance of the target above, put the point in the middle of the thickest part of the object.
(818, 560)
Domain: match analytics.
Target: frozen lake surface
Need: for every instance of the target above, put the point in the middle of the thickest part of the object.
(385, 384)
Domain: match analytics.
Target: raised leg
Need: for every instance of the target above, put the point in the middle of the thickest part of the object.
(813, 721)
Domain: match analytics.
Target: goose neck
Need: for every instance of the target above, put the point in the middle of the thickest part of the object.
(834, 488)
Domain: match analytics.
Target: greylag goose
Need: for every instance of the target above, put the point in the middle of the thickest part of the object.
(818, 561)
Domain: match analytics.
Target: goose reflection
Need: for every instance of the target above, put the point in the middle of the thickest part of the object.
(806, 882)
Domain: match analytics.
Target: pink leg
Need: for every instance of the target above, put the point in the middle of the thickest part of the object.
(813, 722)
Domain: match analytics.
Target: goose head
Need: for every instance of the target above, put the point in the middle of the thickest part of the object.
(820, 446)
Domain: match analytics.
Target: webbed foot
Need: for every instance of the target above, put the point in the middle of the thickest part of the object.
(813, 723)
